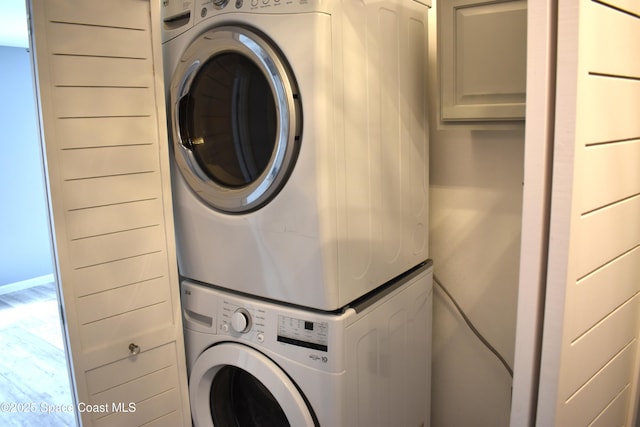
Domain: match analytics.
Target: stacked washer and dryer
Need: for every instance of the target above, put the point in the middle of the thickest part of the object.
(300, 184)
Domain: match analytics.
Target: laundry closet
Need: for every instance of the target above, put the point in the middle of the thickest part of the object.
(312, 253)
(110, 165)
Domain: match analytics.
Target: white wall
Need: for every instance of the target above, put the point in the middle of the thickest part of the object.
(25, 250)
(476, 197)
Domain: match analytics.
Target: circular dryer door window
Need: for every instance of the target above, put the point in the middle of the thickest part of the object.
(234, 385)
(235, 119)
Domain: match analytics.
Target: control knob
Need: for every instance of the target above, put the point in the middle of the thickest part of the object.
(220, 4)
(241, 321)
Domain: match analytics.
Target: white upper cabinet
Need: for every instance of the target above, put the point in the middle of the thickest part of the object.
(482, 54)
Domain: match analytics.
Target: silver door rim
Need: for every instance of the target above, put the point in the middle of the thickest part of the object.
(253, 362)
(254, 46)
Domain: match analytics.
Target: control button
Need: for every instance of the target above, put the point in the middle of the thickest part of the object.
(241, 321)
(260, 338)
(225, 327)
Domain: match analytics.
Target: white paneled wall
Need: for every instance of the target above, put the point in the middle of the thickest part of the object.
(589, 360)
(103, 121)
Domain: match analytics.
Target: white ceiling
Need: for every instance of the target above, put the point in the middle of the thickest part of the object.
(13, 23)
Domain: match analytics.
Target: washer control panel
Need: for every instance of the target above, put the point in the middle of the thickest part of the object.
(309, 337)
(239, 320)
(260, 325)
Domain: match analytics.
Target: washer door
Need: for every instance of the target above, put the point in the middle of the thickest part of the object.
(235, 119)
(234, 385)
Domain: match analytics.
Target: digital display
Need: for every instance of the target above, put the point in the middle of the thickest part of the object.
(308, 326)
(303, 333)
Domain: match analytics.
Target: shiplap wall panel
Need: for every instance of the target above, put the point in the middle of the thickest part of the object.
(108, 161)
(120, 272)
(121, 300)
(631, 6)
(102, 96)
(161, 403)
(67, 70)
(599, 345)
(112, 13)
(605, 234)
(106, 131)
(593, 303)
(595, 220)
(606, 184)
(114, 218)
(98, 41)
(602, 58)
(79, 102)
(137, 388)
(593, 398)
(97, 335)
(139, 382)
(124, 371)
(108, 247)
(614, 414)
(170, 420)
(82, 194)
(603, 97)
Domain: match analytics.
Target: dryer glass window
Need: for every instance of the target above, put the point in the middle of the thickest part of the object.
(236, 119)
(231, 120)
(239, 399)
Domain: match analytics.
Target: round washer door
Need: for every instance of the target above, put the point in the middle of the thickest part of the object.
(234, 385)
(236, 118)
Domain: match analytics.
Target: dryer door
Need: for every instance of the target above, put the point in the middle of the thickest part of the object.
(234, 385)
(235, 117)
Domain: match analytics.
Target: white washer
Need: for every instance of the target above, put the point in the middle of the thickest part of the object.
(299, 132)
(256, 363)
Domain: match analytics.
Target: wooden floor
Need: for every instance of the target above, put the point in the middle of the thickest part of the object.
(33, 370)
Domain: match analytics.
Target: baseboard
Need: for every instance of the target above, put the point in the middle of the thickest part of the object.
(26, 284)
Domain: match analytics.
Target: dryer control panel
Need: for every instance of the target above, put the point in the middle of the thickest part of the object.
(208, 8)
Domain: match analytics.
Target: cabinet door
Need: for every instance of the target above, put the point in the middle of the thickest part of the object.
(101, 99)
(482, 54)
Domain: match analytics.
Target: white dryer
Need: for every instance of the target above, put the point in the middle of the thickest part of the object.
(255, 363)
(299, 132)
